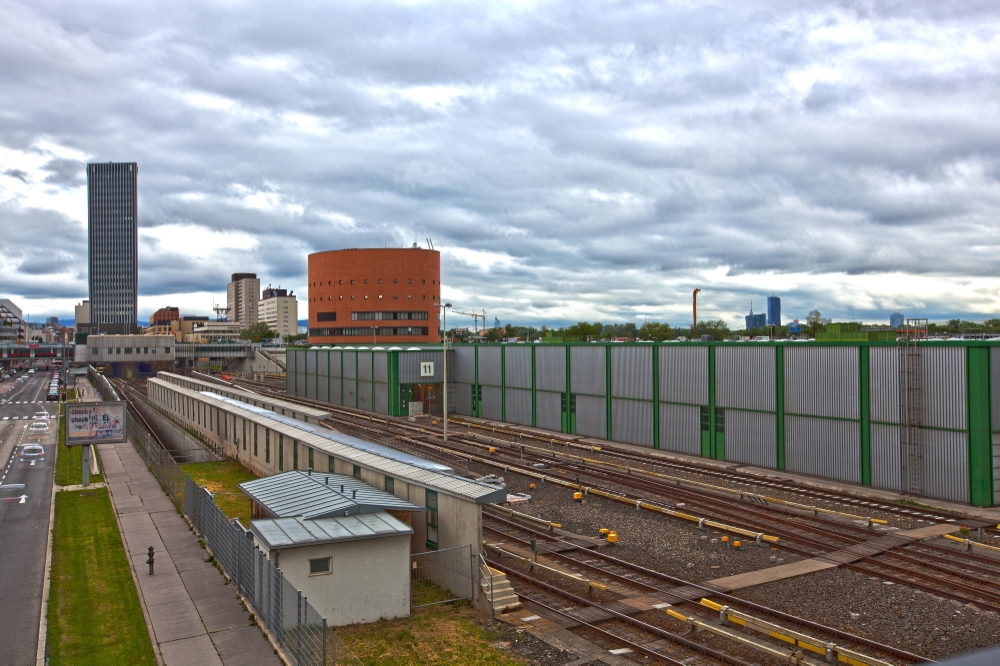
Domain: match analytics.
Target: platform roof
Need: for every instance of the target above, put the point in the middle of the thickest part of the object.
(320, 495)
(294, 532)
(244, 395)
(448, 484)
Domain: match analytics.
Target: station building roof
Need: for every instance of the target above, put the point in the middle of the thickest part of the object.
(294, 532)
(236, 393)
(320, 495)
(448, 484)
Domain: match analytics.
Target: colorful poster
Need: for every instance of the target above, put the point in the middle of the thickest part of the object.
(95, 423)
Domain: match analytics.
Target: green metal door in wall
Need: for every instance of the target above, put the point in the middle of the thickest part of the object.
(706, 433)
(569, 413)
(404, 400)
(477, 400)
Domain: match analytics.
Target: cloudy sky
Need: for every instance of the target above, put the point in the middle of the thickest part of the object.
(570, 160)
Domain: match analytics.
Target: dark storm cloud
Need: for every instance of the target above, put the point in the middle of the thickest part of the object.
(597, 160)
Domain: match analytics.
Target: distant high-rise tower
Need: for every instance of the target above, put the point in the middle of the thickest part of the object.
(773, 311)
(896, 319)
(755, 321)
(242, 297)
(112, 241)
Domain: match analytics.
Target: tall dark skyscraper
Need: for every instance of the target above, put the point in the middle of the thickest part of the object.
(112, 235)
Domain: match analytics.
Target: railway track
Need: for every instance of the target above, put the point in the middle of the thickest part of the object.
(964, 577)
(610, 569)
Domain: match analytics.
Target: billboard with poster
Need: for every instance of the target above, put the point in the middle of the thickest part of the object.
(95, 423)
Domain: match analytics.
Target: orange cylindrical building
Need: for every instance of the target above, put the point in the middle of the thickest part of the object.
(383, 295)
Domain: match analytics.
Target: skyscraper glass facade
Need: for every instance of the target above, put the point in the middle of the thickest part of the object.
(773, 311)
(112, 239)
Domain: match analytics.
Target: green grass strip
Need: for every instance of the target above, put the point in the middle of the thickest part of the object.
(93, 612)
(69, 462)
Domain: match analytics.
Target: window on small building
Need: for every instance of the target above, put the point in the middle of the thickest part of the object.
(432, 520)
(319, 566)
(357, 472)
(390, 485)
(152, 349)
(254, 426)
(311, 465)
(330, 464)
(267, 445)
(244, 435)
(94, 350)
(145, 350)
(281, 452)
(128, 350)
(295, 454)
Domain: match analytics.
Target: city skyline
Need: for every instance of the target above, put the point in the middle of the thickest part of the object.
(843, 158)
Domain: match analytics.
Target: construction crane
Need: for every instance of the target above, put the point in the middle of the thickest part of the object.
(694, 305)
(475, 318)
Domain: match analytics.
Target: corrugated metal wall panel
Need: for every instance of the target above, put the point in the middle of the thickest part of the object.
(489, 366)
(335, 355)
(591, 416)
(350, 392)
(632, 374)
(550, 368)
(463, 399)
(350, 361)
(492, 406)
(587, 370)
(883, 372)
(335, 395)
(518, 367)
(323, 389)
(744, 377)
(822, 381)
(323, 363)
(465, 365)
(632, 421)
(311, 361)
(311, 386)
(548, 409)
(409, 366)
(684, 374)
(518, 406)
(945, 464)
(300, 384)
(364, 395)
(365, 366)
(885, 456)
(823, 447)
(381, 366)
(995, 391)
(680, 429)
(751, 438)
(381, 397)
(944, 387)
(996, 470)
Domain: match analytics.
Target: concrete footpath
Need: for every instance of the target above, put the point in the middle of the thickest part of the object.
(193, 616)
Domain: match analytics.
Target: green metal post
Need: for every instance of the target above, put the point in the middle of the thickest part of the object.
(711, 453)
(392, 370)
(779, 404)
(570, 421)
(534, 401)
(503, 383)
(656, 396)
(864, 411)
(980, 444)
(607, 389)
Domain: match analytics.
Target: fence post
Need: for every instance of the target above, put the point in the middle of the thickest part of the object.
(324, 644)
(279, 579)
(298, 629)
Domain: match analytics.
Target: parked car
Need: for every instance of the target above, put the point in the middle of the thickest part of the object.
(32, 453)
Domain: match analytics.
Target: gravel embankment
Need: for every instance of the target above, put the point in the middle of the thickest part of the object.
(893, 614)
(651, 540)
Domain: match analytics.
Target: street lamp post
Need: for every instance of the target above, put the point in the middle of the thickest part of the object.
(444, 364)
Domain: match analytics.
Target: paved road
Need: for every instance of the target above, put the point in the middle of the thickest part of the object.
(23, 526)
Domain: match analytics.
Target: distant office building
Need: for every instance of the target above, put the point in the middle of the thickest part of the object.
(755, 321)
(773, 311)
(280, 311)
(52, 321)
(164, 316)
(213, 331)
(242, 297)
(11, 322)
(81, 313)
(795, 327)
(896, 319)
(112, 239)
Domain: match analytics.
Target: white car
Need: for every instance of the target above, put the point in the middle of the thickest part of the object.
(38, 427)
(41, 416)
(31, 372)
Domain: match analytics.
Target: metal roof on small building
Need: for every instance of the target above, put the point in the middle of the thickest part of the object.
(242, 394)
(293, 532)
(320, 495)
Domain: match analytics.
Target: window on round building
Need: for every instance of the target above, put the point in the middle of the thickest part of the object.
(340, 282)
(341, 298)
(352, 297)
(409, 280)
(352, 281)
(366, 297)
(394, 280)
(394, 297)
(409, 296)
(366, 280)
(424, 297)
(380, 280)
(423, 282)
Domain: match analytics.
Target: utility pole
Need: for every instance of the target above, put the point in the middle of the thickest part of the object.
(694, 307)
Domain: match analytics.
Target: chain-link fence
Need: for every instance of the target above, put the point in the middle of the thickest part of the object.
(440, 576)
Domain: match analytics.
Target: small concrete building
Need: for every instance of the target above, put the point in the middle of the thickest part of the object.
(345, 544)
